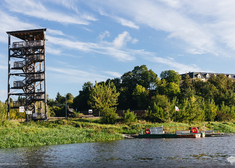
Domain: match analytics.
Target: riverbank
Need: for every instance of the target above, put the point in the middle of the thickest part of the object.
(14, 134)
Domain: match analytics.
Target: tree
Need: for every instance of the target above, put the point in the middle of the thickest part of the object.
(210, 110)
(140, 75)
(172, 90)
(60, 99)
(171, 76)
(140, 95)
(105, 98)
(186, 88)
(159, 110)
(80, 102)
(3, 110)
(155, 114)
(69, 98)
(116, 82)
(187, 93)
(169, 84)
(209, 91)
(129, 116)
(186, 82)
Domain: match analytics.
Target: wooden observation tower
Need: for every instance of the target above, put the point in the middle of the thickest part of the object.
(27, 73)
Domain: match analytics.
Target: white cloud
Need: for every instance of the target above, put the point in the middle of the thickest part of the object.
(55, 32)
(122, 39)
(68, 4)
(127, 23)
(53, 50)
(120, 55)
(102, 48)
(179, 67)
(199, 26)
(70, 75)
(72, 44)
(103, 35)
(10, 23)
(172, 3)
(122, 21)
(113, 74)
(72, 4)
(38, 10)
(134, 41)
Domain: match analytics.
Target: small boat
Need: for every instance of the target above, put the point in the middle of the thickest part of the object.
(190, 135)
(157, 136)
(157, 132)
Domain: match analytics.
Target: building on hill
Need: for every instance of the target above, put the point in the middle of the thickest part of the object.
(205, 75)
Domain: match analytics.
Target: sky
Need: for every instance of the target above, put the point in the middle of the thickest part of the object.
(96, 40)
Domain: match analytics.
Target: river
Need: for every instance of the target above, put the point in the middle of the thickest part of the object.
(203, 152)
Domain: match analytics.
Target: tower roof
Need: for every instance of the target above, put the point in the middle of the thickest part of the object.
(34, 34)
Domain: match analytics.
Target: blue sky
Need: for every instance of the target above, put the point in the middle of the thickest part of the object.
(93, 40)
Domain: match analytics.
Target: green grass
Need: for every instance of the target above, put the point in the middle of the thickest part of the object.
(14, 134)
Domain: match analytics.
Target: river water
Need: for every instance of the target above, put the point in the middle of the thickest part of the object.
(184, 152)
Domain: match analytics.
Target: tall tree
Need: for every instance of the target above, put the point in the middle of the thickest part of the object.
(80, 102)
(171, 76)
(105, 98)
(140, 75)
(140, 94)
(59, 98)
(69, 98)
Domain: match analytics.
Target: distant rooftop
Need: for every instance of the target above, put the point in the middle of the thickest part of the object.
(206, 75)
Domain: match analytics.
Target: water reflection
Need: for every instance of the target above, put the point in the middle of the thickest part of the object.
(214, 151)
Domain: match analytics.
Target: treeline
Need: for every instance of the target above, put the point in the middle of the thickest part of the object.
(142, 89)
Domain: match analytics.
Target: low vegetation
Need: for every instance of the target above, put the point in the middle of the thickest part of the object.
(15, 134)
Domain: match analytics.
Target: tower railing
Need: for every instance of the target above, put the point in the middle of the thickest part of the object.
(20, 44)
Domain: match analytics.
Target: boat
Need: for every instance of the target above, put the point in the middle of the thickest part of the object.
(157, 136)
(157, 132)
(189, 135)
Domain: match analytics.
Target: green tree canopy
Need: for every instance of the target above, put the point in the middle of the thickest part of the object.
(103, 96)
(140, 94)
(59, 98)
(140, 75)
(171, 76)
(80, 102)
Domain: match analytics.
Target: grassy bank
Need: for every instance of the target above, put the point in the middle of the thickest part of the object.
(14, 134)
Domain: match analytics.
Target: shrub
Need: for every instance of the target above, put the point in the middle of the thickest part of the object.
(109, 116)
(129, 116)
(223, 117)
(77, 115)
